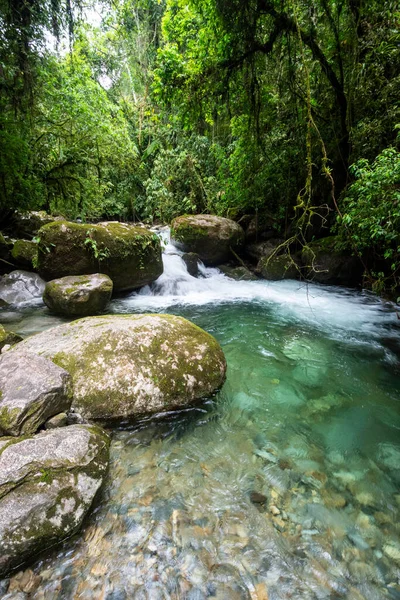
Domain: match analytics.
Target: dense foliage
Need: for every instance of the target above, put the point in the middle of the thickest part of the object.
(236, 107)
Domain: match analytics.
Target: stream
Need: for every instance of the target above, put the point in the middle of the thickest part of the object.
(285, 485)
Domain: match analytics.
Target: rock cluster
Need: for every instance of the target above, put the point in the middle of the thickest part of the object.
(130, 256)
(99, 368)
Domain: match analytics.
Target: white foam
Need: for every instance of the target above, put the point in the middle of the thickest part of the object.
(328, 307)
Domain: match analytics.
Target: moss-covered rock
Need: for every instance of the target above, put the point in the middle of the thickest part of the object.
(323, 263)
(32, 389)
(212, 238)
(280, 267)
(130, 256)
(8, 338)
(24, 254)
(80, 295)
(125, 366)
(47, 485)
(238, 273)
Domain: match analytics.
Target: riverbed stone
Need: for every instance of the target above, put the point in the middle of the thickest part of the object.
(192, 261)
(129, 255)
(280, 267)
(32, 389)
(80, 295)
(212, 238)
(238, 273)
(323, 263)
(20, 286)
(47, 485)
(8, 338)
(24, 254)
(130, 365)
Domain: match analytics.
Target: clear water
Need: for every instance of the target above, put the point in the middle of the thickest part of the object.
(309, 418)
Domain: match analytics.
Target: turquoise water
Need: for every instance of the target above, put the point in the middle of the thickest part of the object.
(285, 485)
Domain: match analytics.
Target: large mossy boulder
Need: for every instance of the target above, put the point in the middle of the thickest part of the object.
(24, 254)
(276, 268)
(47, 485)
(79, 296)
(20, 286)
(212, 238)
(130, 256)
(126, 366)
(32, 389)
(323, 263)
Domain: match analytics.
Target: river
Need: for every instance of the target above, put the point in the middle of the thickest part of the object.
(285, 485)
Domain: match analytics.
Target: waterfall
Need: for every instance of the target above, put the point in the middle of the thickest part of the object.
(336, 310)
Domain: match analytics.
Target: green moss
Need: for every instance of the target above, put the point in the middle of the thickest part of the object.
(276, 268)
(161, 363)
(8, 418)
(116, 250)
(25, 252)
(187, 233)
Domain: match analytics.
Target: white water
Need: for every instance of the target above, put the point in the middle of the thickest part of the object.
(338, 311)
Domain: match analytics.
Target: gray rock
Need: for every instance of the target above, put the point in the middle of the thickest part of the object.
(259, 250)
(80, 296)
(124, 366)
(20, 286)
(212, 238)
(260, 229)
(60, 420)
(47, 485)
(238, 273)
(191, 260)
(32, 389)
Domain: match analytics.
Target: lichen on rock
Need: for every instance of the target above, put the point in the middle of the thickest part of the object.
(126, 366)
(47, 485)
(79, 295)
(32, 389)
